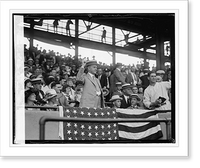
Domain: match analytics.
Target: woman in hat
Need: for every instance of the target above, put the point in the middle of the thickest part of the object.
(30, 98)
(27, 84)
(135, 102)
(116, 101)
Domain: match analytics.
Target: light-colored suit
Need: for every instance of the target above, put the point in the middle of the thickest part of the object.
(89, 96)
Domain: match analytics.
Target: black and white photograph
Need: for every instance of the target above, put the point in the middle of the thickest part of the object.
(96, 78)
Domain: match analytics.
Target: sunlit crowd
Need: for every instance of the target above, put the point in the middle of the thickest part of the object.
(50, 79)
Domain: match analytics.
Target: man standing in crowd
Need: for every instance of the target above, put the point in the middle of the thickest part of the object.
(144, 79)
(156, 94)
(131, 77)
(117, 76)
(92, 95)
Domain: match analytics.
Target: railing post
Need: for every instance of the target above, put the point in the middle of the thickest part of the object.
(42, 123)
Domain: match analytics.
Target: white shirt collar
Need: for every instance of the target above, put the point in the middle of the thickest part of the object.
(90, 74)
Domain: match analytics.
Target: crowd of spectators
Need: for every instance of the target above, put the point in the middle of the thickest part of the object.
(50, 80)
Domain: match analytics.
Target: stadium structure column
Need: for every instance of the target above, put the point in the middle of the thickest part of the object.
(31, 33)
(76, 39)
(113, 48)
(159, 47)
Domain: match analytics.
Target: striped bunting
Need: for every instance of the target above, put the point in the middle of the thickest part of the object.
(138, 131)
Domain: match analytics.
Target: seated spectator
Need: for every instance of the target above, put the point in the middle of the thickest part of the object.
(62, 100)
(27, 84)
(71, 83)
(50, 97)
(135, 90)
(127, 91)
(27, 73)
(69, 92)
(78, 94)
(48, 82)
(30, 98)
(135, 102)
(73, 71)
(116, 101)
(119, 89)
(37, 86)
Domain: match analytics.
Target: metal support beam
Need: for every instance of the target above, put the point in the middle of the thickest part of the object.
(89, 30)
(159, 48)
(76, 39)
(31, 33)
(113, 44)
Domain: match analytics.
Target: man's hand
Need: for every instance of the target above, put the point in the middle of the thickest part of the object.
(83, 63)
(157, 103)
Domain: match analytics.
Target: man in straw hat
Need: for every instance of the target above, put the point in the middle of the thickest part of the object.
(50, 96)
(116, 101)
(92, 95)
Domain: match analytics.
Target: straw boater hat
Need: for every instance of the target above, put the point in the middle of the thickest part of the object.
(126, 85)
(115, 97)
(118, 83)
(36, 81)
(160, 72)
(50, 94)
(135, 96)
(92, 62)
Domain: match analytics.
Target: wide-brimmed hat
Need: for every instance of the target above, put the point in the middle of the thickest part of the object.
(115, 97)
(135, 96)
(50, 94)
(30, 59)
(92, 62)
(126, 85)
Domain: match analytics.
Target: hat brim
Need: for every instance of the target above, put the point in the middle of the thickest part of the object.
(112, 100)
(138, 99)
(87, 65)
(49, 97)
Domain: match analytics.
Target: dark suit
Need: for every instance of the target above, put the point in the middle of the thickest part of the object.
(104, 83)
(124, 103)
(129, 79)
(145, 81)
(117, 76)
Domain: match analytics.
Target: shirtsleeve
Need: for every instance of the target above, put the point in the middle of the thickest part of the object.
(167, 85)
(80, 75)
(146, 99)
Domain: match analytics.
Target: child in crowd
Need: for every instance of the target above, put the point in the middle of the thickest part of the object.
(135, 102)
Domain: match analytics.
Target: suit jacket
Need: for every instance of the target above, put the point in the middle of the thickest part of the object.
(129, 79)
(117, 76)
(145, 81)
(103, 81)
(89, 96)
(125, 104)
